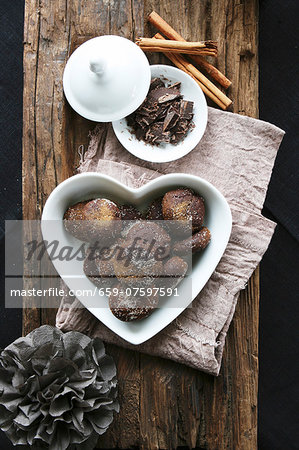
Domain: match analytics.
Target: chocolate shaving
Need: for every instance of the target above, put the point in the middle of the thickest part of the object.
(168, 98)
(155, 83)
(176, 85)
(170, 120)
(186, 109)
(156, 135)
(164, 116)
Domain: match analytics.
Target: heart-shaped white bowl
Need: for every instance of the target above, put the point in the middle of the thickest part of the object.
(91, 185)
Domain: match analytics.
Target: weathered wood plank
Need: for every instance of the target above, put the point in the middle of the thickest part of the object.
(163, 405)
(222, 412)
(31, 316)
(52, 135)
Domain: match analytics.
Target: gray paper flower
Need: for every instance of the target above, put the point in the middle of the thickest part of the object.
(57, 391)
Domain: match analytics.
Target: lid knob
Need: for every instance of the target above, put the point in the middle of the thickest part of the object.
(97, 64)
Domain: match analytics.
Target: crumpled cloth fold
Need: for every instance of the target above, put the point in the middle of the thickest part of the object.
(236, 154)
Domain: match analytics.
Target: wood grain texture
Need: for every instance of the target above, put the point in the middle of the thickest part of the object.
(163, 405)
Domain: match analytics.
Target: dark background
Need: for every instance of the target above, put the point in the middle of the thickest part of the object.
(279, 306)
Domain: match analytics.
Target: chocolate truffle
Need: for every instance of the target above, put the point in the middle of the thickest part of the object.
(183, 204)
(129, 212)
(104, 219)
(197, 242)
(154, 211)
(149, 231)
(128, 307)
(73, 220)
(174, 271)
(142, 252)
(136, 259)
(175, 267)
(99, 272)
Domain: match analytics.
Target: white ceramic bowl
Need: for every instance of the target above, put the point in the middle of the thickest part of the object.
(168, 152)
(91, 185)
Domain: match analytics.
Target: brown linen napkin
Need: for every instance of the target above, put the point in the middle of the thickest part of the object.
(236, 154)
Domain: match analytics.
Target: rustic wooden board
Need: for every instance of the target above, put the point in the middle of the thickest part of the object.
(163, 404)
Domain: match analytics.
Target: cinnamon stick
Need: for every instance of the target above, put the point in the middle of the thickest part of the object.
(207, 86)
(166, 29)
(176, 44)
(176, 62)
(203, 51)
(193, 48)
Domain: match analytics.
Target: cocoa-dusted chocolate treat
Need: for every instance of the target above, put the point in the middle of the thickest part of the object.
(174, 271)
(175, 267)
(163, 117)
(100, 272)
(104, 219)
(73, 221)
(184, 204)
(148, 231)
(154, 211)
(196, 243)
(142, 252)
(128, 307)
(93, 220)
(105, 270)
(129, 212)
(136, 259)
(90, 269)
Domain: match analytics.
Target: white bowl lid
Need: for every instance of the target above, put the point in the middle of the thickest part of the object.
(106, 78)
